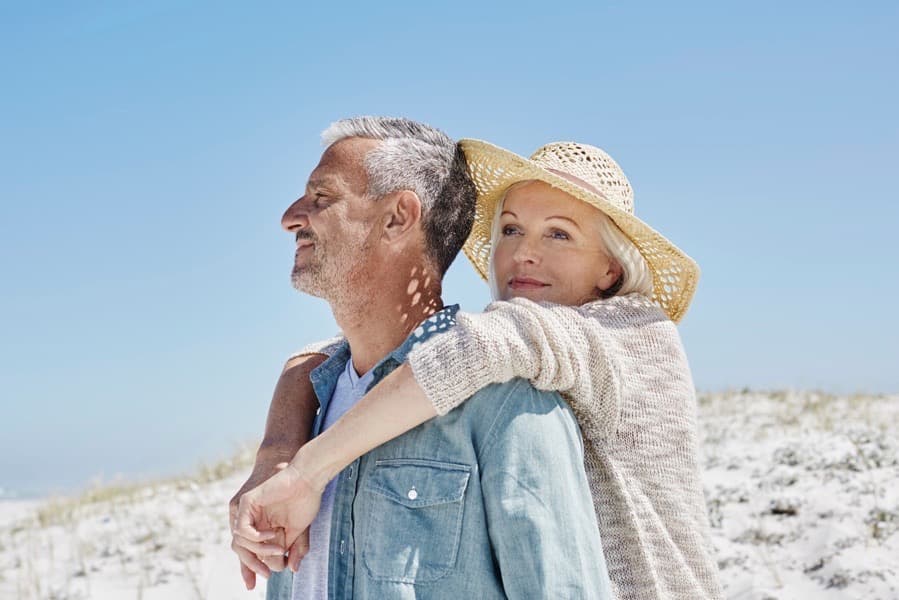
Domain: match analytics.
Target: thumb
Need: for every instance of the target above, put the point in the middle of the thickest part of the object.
(298, 550)
(248, 516)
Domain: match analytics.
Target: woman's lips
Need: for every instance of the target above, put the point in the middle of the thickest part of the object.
(526, 283)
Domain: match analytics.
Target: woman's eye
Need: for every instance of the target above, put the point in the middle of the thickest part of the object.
(509, 230)
(558, 234)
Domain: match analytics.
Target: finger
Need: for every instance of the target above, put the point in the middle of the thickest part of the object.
(258, 548)
(243, 524)
(298, 550)
(254, 564)
(279, 562)
(249, 577)
(275, 563)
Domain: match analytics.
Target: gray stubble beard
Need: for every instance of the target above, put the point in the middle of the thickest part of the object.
(313, 279)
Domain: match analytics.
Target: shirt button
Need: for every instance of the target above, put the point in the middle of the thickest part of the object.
(342, 547)
(412, 495)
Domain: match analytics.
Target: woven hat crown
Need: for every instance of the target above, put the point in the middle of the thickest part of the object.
(592, 166)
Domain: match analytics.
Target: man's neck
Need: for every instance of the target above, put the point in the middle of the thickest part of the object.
(376, 323)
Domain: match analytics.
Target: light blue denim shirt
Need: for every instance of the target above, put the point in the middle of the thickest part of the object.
(488, 501)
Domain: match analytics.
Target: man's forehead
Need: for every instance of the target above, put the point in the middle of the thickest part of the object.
(343, 162)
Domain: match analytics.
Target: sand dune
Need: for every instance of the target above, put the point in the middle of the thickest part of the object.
(802, 492)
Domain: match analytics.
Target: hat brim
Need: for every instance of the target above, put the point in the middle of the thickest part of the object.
(494, 169)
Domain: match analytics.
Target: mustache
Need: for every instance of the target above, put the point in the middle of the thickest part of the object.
(305, 234)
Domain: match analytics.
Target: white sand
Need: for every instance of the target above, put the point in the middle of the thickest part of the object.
(14, 510)
(803, 492)
(160, 541)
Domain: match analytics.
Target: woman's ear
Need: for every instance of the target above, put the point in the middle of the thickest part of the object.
(403, 213)
(610, 277)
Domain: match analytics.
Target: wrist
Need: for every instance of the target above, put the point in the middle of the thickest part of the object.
(312, 465)
(267, 460)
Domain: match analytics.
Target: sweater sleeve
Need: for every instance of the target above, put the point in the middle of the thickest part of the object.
(557, 348)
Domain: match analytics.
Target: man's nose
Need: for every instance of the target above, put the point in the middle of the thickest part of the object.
(296, 216)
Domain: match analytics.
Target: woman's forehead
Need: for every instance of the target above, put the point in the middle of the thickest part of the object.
(538, 198)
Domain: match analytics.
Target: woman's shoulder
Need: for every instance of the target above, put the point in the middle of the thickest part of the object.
(631, 311)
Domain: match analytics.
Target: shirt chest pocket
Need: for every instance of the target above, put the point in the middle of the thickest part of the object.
(415, 519)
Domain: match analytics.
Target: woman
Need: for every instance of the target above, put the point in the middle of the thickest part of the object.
(558, 229)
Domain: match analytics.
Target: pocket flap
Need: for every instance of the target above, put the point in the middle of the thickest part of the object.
(416, 483)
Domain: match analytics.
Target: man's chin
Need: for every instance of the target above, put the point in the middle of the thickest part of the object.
(302, 282)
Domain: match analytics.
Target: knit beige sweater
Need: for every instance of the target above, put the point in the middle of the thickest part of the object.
(621, 365)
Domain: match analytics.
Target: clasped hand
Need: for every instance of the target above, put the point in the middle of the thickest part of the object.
(270, 523)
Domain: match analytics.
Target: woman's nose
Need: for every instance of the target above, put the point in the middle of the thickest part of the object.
(527, 251)
(295, 217)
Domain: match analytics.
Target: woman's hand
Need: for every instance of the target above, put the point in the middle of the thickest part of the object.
(287, 501)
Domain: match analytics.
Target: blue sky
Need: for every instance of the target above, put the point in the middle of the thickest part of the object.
(149, 149)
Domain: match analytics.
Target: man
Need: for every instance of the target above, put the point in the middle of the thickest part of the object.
(489, 501)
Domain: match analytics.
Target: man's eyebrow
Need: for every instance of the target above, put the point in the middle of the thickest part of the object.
(323, 181)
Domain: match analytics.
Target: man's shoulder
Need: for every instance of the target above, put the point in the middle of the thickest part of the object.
(515, 413)
(518, 387)
(506, 401)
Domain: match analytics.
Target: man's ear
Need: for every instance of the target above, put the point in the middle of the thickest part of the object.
(403, 213)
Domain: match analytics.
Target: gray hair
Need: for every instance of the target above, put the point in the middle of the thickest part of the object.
(635, 273)
(414, 156)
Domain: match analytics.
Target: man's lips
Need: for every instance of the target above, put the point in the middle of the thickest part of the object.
(526, 283)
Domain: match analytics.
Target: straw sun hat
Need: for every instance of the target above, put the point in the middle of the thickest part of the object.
(600, 183)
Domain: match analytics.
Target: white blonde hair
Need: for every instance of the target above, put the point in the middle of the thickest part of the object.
(635, 273)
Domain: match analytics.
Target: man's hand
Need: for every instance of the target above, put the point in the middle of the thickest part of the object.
(289, 501)
(289, 422)
(268, 558)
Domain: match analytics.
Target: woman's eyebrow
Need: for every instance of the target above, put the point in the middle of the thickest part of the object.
(572, 221)
(508, 212)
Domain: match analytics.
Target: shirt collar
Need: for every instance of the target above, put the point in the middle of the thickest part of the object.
(436, 323)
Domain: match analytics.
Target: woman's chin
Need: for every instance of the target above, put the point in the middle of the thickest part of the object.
(534, 295)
